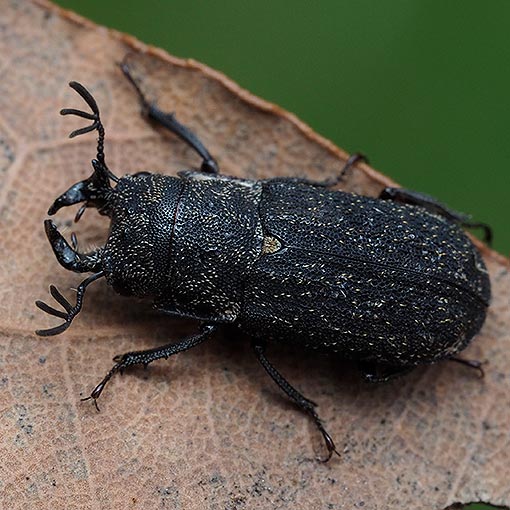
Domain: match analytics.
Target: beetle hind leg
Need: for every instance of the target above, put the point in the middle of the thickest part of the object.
(169, 121)
(375, 372)
(405, 196)
(305, 404)
(471, 363)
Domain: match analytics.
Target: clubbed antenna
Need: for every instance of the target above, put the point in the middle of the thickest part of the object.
(70, 311)
(96, 125)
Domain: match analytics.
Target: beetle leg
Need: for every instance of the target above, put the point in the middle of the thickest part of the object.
(326, 183)
(373, 371)
(169, 121)
(471, 363)
(405, 196)
(305, 404)
(147, 356)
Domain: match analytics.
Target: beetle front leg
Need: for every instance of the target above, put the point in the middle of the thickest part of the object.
(169, 121)
(405, 196)
(147, 356)
(305, 404)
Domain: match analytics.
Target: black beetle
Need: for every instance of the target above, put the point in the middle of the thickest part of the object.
(392, 282)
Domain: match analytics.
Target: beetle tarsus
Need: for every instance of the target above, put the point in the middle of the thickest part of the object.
(330, 445)
(305, 404)
(90, 397)
(124, 67)
(96, 392)
(487, 230)
(355, 158)
(472, 363)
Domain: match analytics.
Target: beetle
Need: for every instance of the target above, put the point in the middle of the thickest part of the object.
(392, 282)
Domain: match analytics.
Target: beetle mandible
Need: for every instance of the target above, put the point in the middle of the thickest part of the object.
(392, 282)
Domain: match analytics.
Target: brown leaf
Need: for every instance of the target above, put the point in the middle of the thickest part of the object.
(206, 430)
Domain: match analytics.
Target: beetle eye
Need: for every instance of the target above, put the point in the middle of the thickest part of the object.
(140, 174)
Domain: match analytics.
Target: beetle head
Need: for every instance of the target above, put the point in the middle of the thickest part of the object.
(130, 260)
(135, 255)
(133, 258)
(93, 192)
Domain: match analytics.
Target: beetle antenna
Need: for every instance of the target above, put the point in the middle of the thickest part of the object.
(70, 311)
(96, 125)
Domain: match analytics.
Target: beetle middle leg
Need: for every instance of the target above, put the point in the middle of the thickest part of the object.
(147, 356)
(305, 404)
(406, 196)
(169, 121)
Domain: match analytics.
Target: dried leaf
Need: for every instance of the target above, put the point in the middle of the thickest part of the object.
(206, 429)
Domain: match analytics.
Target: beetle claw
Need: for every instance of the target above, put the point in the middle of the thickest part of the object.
(472, 363)
(90, 397)
(96, 392)
(330, 445)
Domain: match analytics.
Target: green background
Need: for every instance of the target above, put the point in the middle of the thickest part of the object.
(421, 87)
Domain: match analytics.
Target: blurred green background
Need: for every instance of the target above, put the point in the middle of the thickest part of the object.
(420, 86)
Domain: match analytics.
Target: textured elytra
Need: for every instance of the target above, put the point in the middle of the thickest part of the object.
(207, 429)
(366, 278)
